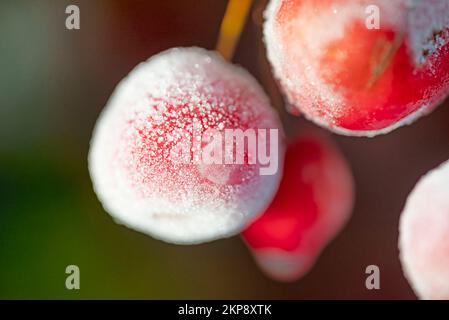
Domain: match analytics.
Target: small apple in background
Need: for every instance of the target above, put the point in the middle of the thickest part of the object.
(312, 205)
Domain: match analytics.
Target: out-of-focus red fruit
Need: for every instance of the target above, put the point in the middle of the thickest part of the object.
(312, 205)
(147, 155)
(346, 75)
(424, 235)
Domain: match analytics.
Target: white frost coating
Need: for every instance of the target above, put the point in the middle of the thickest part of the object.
(275, 50)
(178, 205)
(310, 45)
(424, 235)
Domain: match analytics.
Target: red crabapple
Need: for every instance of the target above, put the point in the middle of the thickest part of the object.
(424, 235)
(312, 205)
(148, 161)
(345, 74)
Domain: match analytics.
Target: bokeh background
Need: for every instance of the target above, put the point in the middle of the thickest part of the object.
(54, 83)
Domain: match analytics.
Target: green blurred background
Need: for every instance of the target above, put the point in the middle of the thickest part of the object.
(54, 83)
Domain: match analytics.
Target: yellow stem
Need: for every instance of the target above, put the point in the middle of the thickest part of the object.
(232, 27)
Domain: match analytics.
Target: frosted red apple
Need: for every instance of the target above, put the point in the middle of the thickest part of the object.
(162, 109)
(424, 235)
(312, 205)
(344, 75)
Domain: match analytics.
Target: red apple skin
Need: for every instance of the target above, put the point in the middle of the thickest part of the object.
(313, 203)
(354, 80)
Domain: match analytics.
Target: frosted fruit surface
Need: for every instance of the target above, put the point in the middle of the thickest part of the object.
(424, 235)
(342, 72)
(145, 159)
